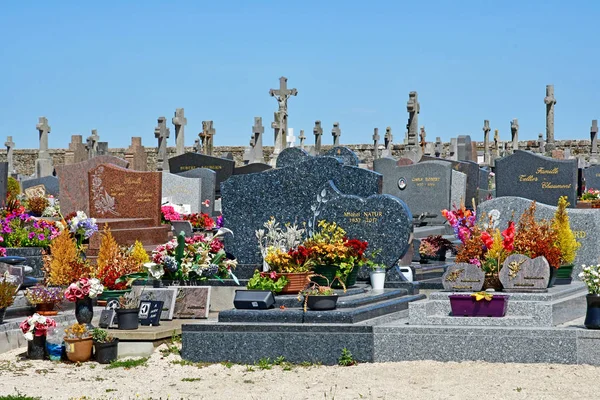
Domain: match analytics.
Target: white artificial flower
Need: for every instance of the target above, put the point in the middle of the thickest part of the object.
(29, 335)
(155, 270)
(42, 320)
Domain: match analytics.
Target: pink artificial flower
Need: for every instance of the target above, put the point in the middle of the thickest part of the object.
(273, 275)
(215, 246)
(475, 261)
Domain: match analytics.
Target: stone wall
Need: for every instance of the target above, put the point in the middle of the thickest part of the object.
(24, 159)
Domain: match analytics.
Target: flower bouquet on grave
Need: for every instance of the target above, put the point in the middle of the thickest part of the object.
(19, 229)
(34, 329)
(44, 298)
(169, 214)
(200, 221)
(590, 275)
(81, 293)
(81, 227)
(590, 195)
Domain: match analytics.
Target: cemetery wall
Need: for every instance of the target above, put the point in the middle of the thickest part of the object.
(24, 159)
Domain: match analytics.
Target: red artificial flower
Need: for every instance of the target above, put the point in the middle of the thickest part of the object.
(487, 239)
(509, 237)
(358, 247)
(216, 245)
(300, 255)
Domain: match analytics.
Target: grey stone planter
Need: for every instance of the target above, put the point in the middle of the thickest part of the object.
(33, 256)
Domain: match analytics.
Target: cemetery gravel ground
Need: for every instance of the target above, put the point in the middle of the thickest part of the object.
(164, 377)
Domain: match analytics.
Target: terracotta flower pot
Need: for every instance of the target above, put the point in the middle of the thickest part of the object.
(46, 309)
(296, 281)
(79, 350)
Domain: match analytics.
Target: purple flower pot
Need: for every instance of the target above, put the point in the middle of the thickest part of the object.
(465, 305)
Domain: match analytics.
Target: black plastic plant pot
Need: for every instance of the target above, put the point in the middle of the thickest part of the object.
(128, 319)
(105, 353)
(322, 303)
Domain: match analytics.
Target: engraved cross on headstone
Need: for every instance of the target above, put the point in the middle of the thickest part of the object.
(550, 101)
(413, 108)
(92, 144)
(10, 146)
(161, 132)
(594, 141)
(336, 132)
(180, 121)
(486, 142)
(514, 130)
(318, 132)
(375, 143)
(208, 132)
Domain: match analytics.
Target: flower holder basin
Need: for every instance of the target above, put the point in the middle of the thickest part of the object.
(465, 305)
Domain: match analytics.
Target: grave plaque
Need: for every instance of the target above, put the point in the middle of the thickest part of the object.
(150, 312)
(592, 177)
(378, 219)
(189, 161)
(536, 177)
(107, 318)
(463, 277)
(192, 302)
(74, 183)
(116, 192)
(208, 182)
(520, 273)
(50, 184)
(424, 187)
(287, 194)
(347, 156)
(35, 191)
(182, 190)
(291, 156)
(166, 295)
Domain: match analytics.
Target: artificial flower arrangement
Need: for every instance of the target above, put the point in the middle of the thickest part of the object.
(81, 227)
(19, 229)
(8, 290)
(590, 194)
(200, 221)
(168, 214)
(114, 261)
(63, 264)
(53, 209)
(281, 247)
(84, 287)
(36, 325)
(590, 275)
(41, 294)
(435, 247)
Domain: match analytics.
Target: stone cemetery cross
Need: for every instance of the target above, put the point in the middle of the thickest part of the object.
(257, 138)
(180, 121)
(496, 144)
(302, 138)
(278, 129)
(161, 132)
(44, 129)
(514, 130)
(541, 144)
(92, 144)
(375, 143)
(282, 95)
(10, 145)
(593, 138)
(318, 132)
(388, 140)
(486, 142)
(413, 107)
(207, 134)
(336, 132)
(550, 101)
(438, 146)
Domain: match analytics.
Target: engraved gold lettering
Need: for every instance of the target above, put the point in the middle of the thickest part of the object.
(550, 185)
(542, 171)
(527, 178)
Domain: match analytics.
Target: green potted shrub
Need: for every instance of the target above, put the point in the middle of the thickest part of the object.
(105, 346)
(565, 241)
(318, 297)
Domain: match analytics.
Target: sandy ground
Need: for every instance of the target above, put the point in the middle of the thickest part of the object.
(163, 377)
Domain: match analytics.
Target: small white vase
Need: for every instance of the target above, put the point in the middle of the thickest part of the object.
(378, 279)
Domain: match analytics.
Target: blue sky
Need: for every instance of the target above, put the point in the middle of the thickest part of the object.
(117, 67)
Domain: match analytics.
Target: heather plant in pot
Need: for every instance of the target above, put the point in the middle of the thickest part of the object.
(434, 247)
(105, 346)
(318, 297)
(78, 343)
(45, 299)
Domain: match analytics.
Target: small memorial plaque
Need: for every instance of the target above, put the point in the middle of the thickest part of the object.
(192, 302)
(150, 312)
(107, 319)
(166, 295)
(463, 277)
(522, 274)
(35, 191)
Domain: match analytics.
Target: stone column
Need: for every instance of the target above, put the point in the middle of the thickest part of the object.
(550, 102)
(43, 164)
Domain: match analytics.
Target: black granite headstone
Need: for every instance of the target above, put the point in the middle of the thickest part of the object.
(251, 168)
(347, 156)
(49, 182)
(248, 201)
(536, 177)
(189, 161)
(291, 156)
(379, 219)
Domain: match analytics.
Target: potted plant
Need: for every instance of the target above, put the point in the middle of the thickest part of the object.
(128, 311)
(438, 246)
(78, 341)
(200, 221)
(427, 251)
(590, 276)
(377, 276)
(333, 254)
(34, 329)
(565, 241)
(319, 297)
(105, 346)
(64, 265)
(8, 290)
(37, 205)
(82, 292)
(591, 196)
(267, 281)
(480, 304)
(284, 255)
(44, 299)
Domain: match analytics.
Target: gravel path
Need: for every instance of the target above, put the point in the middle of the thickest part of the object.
(165, 377)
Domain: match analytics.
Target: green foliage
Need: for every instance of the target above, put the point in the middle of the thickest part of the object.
(18, 396)
(12, 189)
(565, 238)
(346, 359)
(259, 282)
(130, 363)
(264, 363)
(101, 336)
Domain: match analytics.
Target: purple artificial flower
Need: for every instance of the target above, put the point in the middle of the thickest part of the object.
(41, 237)
(31, 235)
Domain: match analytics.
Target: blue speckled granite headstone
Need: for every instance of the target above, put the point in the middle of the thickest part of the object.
(347, 156)
(251, 168)
(536, 177)
(49, 182)
(384, 221)
(291, 156)
(287, 194)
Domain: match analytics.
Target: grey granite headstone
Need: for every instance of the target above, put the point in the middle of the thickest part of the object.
(469, 168)
(378, 219)
(458, 190)
(585, 224)
(463, 277)
(208, 187)
(182, 190)
(3, 182)
(49, 182)
(183, 226)
(291, 156)
(536, 177)
(287, 194)
(465, 148)
(592, 177)
(424, 187)
(520, 273)
(188, 161)
(347, 156)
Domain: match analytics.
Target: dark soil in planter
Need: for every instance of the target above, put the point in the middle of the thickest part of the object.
(105, 353)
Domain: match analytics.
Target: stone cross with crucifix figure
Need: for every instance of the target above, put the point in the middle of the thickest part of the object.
(92, 144)
(413, 108)
(207, 134)
(281, 116)
(514, 131)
